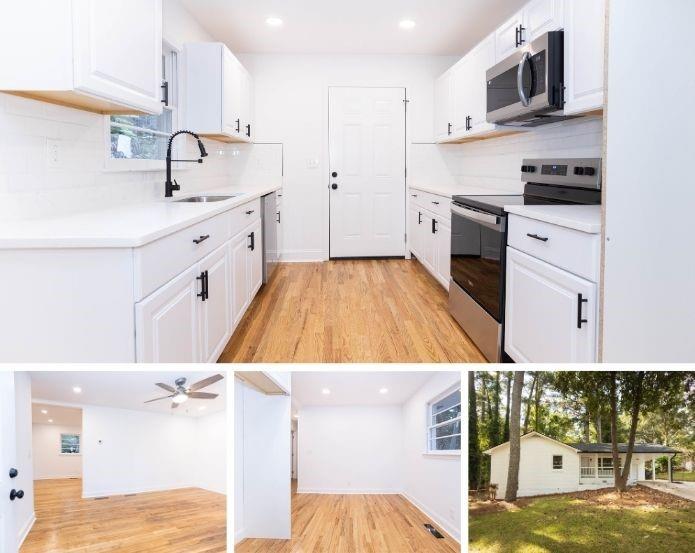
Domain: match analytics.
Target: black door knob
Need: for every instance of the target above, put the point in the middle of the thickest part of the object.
(14, 473)
(334, 186)
(16, 494)
(334, 174)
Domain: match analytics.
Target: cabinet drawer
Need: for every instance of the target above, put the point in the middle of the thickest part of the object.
(243, 215)
(158, 262)
(569, 249)
(439, 205)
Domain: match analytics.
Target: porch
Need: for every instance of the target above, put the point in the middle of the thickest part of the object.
(596, 469)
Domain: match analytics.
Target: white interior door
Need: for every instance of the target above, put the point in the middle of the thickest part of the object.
(367, 157)
(8, 534)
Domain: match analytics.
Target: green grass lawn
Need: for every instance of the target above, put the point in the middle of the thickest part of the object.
(567, 524)
(678, 475)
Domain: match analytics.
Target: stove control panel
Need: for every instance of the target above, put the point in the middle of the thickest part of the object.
(575, 172)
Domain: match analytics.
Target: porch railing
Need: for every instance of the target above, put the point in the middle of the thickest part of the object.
(591, 472)
(605, 473)
(588, 472)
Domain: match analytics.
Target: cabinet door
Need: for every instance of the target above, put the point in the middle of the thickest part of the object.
(232, 124)
(280, 231)
(215, 311)
(506, 37)
(482, 58)
(166, 322)
(544, 314)
(246, 95)
(428, 242)
(461, 80)
(541, 16)
(239, 261)
(443, 252)
(255, 258)
(415, 231)
(118, 51)
(584, 52)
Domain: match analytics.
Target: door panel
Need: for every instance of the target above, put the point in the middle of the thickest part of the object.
(240, 281)
(8, 535)
(231, 94)
(215, 322)
(367, 151)
(542, 16)
(255, 262)
(506, 37)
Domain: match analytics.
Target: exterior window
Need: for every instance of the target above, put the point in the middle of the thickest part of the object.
(70, 444)
(145, 137)
(605, 466)
(444, 429)
(557, 462)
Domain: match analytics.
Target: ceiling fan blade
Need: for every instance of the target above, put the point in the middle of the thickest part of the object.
(202, 395)
(158, 398)
(205, 382)
(174, 405)
(166, 387)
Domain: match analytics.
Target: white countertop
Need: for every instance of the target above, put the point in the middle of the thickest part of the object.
(585, 218)
(128, 226)
(450, 191)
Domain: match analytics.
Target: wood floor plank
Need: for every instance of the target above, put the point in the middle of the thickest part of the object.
(180, 521)
(351, 311)
(354, 524)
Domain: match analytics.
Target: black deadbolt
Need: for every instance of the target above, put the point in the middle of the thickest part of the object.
(16, 494)
(14, 473)
(334, 174)
(334, 186)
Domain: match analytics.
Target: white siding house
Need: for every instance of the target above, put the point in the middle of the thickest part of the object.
(547, 466)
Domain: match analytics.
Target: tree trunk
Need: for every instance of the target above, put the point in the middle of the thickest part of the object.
(473, 451)
(537, 403)
(505, 433)
(498, 391)
(514, 439)
(528, 403)
(636, 404)
(599, 429)
(614, 431)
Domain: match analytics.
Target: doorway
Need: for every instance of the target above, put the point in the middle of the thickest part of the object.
(366, 142)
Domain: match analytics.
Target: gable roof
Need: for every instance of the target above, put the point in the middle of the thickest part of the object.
(584, 447)
(528, 435)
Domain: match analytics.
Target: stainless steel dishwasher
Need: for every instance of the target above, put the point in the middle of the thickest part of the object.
(269, 216)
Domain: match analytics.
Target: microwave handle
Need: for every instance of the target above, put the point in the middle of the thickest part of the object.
(520, 79)
(485, 218)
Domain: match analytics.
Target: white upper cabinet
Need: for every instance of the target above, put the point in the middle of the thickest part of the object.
(442, 108)
(507, 36)
(89, 54)
(542, 16)
(584, 55)
(218, 93)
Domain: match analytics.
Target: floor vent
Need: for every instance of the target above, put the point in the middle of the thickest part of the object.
(98, 498)
(130, 495)
(432, 530)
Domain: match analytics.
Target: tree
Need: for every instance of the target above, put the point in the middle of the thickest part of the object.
(528, 402)
(514, 439)
(505, 432)
(494, 427)
(473, 441)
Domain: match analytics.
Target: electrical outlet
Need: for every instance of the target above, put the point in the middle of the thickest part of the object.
(54, 153)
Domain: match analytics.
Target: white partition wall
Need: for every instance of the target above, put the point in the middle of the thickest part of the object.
(49, 462)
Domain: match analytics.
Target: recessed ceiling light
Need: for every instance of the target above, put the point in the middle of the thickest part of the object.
(44, 412)
(383, 390)
(77, 389)
(273, 22)
(325, 391)
(407, 24)
(50, 420)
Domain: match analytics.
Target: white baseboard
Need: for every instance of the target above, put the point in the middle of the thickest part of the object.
(109, 493)
(24, 532)
(434, 517)
(349, 491)
(302, 256)
(78, 477)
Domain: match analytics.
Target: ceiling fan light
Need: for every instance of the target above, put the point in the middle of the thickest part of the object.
(179, 398)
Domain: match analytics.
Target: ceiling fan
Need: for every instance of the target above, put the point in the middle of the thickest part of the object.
(181, 393)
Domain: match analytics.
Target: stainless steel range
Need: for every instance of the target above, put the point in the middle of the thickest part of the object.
(479, 239)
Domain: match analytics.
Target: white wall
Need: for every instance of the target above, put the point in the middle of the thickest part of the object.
(432, 483)
(210, 457)
(24, 509)
(350, 450)
(48, 461)
(238, 486)
(648, 300)
(291, 106)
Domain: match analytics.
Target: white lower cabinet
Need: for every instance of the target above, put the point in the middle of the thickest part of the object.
(430, 234)
(255, 254)
(442, 256)
(550, 313)
(239, 257)
(215, 321)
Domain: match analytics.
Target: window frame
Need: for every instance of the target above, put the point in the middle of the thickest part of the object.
(429, 426)
(117, 165)
(79, 444)
(562, 463)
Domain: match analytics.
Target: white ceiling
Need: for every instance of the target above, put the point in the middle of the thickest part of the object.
(125, 390)
(355, 388)
(443, 27)
(56, 415)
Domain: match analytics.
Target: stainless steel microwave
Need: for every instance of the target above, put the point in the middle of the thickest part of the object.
(527, 88)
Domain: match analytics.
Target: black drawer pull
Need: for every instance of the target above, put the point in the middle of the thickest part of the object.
(580, 301)
(435, 203)
(203, 278)
(252, 245)
(434, 226)
(250, 212)
(238, 125)
(419, 218)
(278, 216)
(202, 238)
(536, 237)
(414, 195)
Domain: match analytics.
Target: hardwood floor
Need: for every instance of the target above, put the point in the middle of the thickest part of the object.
(180, 521)
(353, 524)
(388, 310)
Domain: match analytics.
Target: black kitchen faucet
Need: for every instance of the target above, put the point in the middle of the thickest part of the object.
(170, 186)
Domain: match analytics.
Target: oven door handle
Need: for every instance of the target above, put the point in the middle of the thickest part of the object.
(526, 102)
(486, 218)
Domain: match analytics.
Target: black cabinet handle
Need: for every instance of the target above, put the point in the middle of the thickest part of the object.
(203, 278)
(250, 212)
(14, 473)
(202, 238)
(516, 37)
(435, 203)
(434, 226)
(521, 35)
(278, 216)
(414, 195)
(468, 122)
(165, 93)
(238, 125)
(580, 300)
(449, 128)
(248, 130)
(419, 218)
(16, 494)
(536, 237)
(252, 236)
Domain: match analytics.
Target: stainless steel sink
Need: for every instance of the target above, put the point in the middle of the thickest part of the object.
(206, 199)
